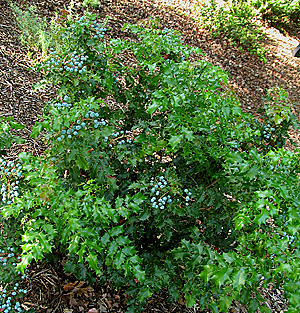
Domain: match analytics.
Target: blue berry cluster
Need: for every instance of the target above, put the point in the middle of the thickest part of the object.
(187, 196)
(54, 61)
(290, 238)
(65, 104)
(9, 296)
(167, 32)
(123, 135)
(92, 120)
(83, 21)
(267, 132)
(75, 64)
(160, 198)
(10, 173)
(99, 30)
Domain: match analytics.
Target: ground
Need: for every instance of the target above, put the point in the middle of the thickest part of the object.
(50, 289)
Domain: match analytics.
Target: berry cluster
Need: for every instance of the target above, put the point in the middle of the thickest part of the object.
(65, 104)
(123, 135)
(167, 32)
(12, 292)
(75, 64)
(160, 197)
(187, 197)
(79, 125)
(10, 172)
(267, 132)
(290, 238)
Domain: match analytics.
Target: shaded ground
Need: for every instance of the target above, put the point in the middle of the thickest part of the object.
(50, 289)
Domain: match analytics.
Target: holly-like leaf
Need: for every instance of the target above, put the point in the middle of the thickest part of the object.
(82, 163)
(239, 279)
(175, 141)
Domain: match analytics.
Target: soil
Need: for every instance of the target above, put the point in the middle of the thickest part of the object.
(50, 288)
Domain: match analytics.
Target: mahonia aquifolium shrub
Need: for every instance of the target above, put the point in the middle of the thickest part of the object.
(174, 187)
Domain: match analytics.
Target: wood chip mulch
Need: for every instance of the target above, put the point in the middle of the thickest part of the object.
(50, 288)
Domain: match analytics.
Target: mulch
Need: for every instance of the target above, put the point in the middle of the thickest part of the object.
(50, 288)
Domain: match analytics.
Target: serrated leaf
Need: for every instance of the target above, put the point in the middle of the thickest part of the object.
(175, 141)
(262, 217)
(190, 300)
(138, 273)
(69, 267)
(222, 276)
(36, 129)
(44, 243)
(49, 229)
(82, 163)
(283, 267)
(239, 279)
(152, 67)
(253, 306)
(145, 293)
(153, 107)
(208, 271)
(189, 135)
(119, 259)
(92, 260)
(15, 125)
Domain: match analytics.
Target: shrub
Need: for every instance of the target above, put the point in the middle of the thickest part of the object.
(237, 22)
(279, 13)
(164, 190)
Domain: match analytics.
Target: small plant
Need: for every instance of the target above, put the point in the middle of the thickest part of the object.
(237, 22)
(36, 33)
(6, 135)
(92, 3)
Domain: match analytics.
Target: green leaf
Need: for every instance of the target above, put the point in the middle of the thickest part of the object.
(239, 279)
(138, 273)
(92, 260)
(44, 243)
(69, 267)
(49, 229)
(189, 135)
(153, 107)
(222, 276)
(208, 271)
(116, 231)
(253, 306)
(262, 217)
(283, 267)
(119, 259)
(190, 300)
(175, 141)
(36, 129)
(145, 293)
(15, 125)
(57, 122)
(82, 163)
(152, 67)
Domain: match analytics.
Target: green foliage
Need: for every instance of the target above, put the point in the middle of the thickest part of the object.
(279, 12)
(6, 136)
(165, 189)
(277, 118)
(36, 33)
(92, 3)
(236, 22)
